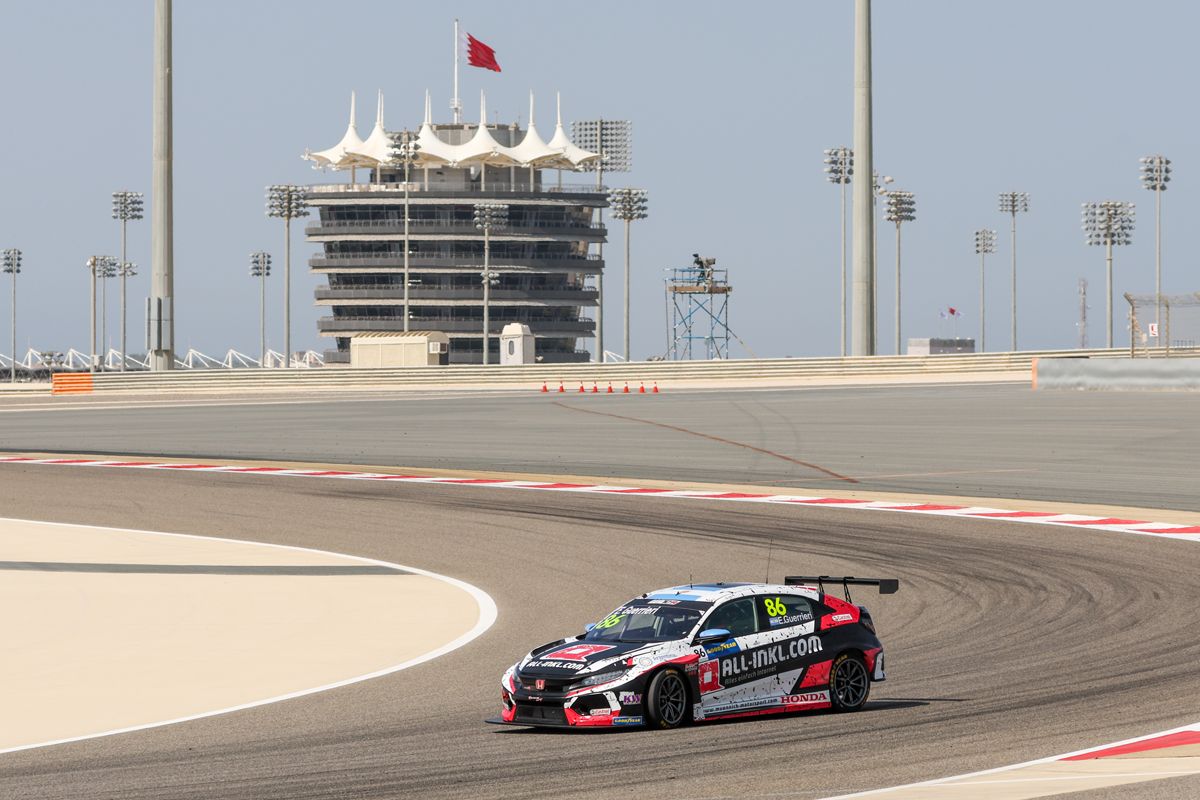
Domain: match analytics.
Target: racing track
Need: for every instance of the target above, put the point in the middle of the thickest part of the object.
(1006, 642)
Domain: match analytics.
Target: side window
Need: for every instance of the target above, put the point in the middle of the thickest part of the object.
(736, 616)
(783, 610)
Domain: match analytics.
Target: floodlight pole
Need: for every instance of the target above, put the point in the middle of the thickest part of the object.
(12, 264)
(862, 339)
(1108, 261)
(162, 274)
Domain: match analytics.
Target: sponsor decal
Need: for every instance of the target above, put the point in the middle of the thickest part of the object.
(722, 649)
(738, 705)
(627, 721)
(763, 662)
(576, 652)
(664, 602)
(635, 610)
(842, 617)
(629, 698)
(574, 666)
(710, 677)
(810, 697)
(791, 619)
(601, 712)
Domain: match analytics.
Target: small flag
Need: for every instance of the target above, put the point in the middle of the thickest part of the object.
(480, 55)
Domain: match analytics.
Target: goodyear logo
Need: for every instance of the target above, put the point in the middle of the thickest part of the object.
(723, 649)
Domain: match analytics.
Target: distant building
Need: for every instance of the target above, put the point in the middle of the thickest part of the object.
(542, 257)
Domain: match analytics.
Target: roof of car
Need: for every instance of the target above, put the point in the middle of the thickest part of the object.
(721, 590)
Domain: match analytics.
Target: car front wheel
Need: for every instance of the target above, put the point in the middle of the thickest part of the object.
(667, 700)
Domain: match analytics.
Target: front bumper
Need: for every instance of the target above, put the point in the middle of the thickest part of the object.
(608, 706)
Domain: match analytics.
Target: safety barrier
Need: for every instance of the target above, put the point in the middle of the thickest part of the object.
(71, 383)
(1127, 374)
(666, 374)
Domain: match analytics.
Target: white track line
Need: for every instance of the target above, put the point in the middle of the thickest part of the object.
(487, 617)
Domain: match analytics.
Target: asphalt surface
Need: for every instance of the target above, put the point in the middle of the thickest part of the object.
(1127, 448)
(1005, 643)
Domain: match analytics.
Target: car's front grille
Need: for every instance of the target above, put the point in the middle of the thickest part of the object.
(530, 685)
(529, 712)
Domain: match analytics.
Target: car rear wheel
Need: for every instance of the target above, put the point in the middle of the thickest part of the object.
(849, 683)
(667, 700)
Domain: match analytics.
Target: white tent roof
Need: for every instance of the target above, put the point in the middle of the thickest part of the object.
(533, 151)
(572, 156)
(433, 151)
(377, 149)
(482, 148)
(336, 156)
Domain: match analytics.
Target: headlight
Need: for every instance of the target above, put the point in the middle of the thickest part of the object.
(599, 677)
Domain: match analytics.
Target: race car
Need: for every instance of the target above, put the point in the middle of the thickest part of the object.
(704, 651)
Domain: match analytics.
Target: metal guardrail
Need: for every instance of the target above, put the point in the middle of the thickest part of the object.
(571, 375)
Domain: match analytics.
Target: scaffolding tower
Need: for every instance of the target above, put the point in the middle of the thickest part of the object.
(698, 309)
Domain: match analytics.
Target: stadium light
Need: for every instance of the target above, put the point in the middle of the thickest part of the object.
(126, 206)
(11, 259)
(287, 202)
(1108, 223)
(489, 217)
(613, 140)
(260, 267)
(627, 205)
(985, 244)
(901, 208)
(1156, 173)
(1013, 203)
(405, 152)
(839, 169)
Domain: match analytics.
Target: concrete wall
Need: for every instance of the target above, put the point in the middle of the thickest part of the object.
(1118, 374)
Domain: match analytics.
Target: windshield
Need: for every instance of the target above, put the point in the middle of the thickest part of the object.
(648, 621)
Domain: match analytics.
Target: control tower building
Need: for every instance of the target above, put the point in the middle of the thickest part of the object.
(540, 261)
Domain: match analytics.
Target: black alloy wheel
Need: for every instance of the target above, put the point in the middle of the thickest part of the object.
(667, 700)
(849, 683)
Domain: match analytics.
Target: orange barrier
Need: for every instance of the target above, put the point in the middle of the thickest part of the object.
(71, 383)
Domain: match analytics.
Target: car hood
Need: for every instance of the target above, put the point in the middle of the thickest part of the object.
(572, 657)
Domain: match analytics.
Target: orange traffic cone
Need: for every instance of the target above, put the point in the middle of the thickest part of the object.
(544, 387)
(560, 388)
(655, 389)
(610, 389)
(626, 389)
(595, 388)
(642, 388)
(581, 389)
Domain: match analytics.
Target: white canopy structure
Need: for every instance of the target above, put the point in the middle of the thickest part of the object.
(338, 156)
(377, 149)
(433, 151)
(533, 150)
(481, 149)
(572, 155)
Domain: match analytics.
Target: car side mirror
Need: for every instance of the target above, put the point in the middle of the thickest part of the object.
(713, 635)
(588, 628)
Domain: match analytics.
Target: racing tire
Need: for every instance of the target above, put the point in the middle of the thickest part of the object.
(667, 700)
(849, 683)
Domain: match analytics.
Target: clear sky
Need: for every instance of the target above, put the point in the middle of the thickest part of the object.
(732, 105)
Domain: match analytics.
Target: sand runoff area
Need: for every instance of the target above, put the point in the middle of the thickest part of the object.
(105, 629)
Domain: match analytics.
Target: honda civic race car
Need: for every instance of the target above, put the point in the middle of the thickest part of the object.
(702, 652)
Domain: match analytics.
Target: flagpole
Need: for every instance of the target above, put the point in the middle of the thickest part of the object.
(455, 105)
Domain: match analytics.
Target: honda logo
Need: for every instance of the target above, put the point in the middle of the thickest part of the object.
(539, 684)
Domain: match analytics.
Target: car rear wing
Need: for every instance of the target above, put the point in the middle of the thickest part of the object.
(886, 585)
